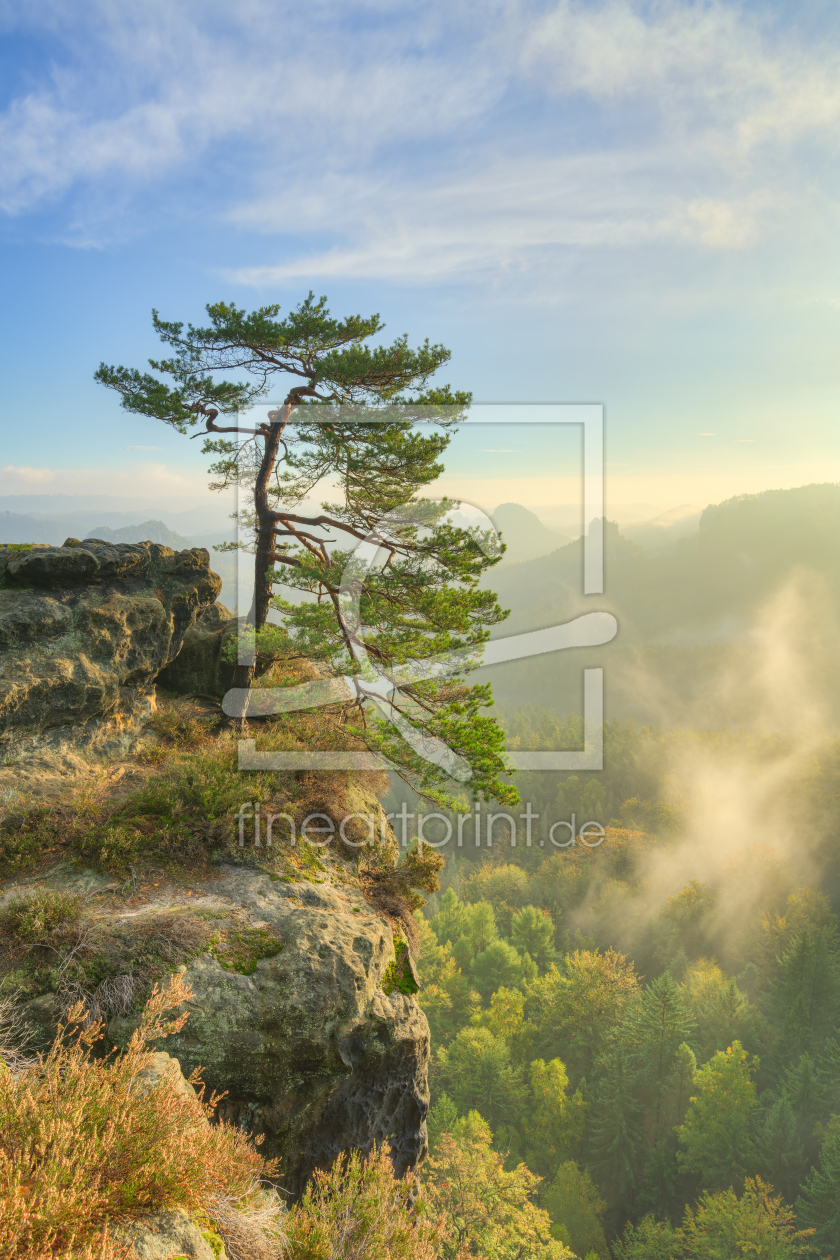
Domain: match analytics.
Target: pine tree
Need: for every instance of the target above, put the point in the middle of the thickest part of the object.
(805, 1089)
(661, 1023)
(347, 425)
(828, 1075)
(615, 1134)
(442, 1119)
(819, 1204)
(779, 1146)
(806, 995)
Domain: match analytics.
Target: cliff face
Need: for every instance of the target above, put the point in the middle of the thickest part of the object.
(312, 1051)
(303, 1011)
(313, 1042)
(84, 630)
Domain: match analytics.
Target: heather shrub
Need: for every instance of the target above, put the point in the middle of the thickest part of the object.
(358, 1211)
(81, 1143)
(34, 917)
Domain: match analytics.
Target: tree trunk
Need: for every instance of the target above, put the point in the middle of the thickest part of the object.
(258, 616)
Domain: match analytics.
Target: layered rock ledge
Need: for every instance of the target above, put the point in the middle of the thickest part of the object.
(84, 630)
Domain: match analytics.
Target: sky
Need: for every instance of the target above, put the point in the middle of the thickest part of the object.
(628, 203)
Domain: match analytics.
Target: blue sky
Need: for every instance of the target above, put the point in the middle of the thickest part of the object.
(629, 203)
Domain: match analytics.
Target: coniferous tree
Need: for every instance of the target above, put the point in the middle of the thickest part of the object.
(805, 997)
(818, 1207)
(615, 1130)
(660, 1024)
(347, 425)
(780, 1153)
(804, 1087)
(532, 932)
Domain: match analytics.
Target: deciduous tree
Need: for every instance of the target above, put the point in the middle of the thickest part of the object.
(716, 1137)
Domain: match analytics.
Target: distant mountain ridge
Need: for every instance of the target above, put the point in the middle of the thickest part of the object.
(524, 534)
(148, 531)
(684, 612)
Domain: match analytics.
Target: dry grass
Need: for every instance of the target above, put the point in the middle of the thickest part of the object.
(80, 1145)
(15, 1037)
(253, 1227)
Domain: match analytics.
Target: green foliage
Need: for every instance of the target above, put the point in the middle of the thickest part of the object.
(489, 1206)
(448, 923)
(716, 1136)
(606, 1060)
(818, 1207)
(574, 1205)
(721, 1012)
(477, 1073)
(806, 994)
(442, 1119)
(650, 1239)
(532, 932)
(758, 1225)
(497, 966)
(555, 1126)
(241, 948)
(615, 1134)
(577, 1009)
(398, 977)
(35, 917)
(780, 1153)
(427, 599)
(660, 1023)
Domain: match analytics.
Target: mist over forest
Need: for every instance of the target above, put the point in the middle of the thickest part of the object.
(652, 1022)
(632, 977)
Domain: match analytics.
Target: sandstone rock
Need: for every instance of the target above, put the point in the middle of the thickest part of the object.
(201, 667)
(164, 1235)
(163, 1069)
(84, 631)
(311, 1051)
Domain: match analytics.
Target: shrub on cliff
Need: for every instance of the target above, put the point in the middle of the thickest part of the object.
(491, 1210)
(359, 1212)
(83, 1143)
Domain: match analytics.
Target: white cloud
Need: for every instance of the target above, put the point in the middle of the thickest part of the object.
(13, 475)
(429, 143)
(151, 481)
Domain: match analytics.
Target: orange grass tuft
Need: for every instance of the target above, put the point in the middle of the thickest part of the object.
(82, 1142)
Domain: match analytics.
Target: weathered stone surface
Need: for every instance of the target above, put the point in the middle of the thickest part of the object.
(164, 1070)
(84, 631)
(201, 667)
(164, 1235)
(310, 1049)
